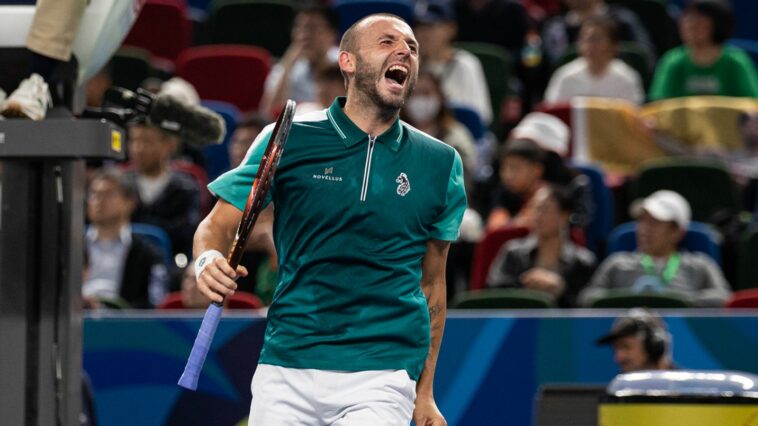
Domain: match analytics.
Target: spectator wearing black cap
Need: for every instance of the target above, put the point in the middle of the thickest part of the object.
(313, 47)
(658, 265)
(704, 65)
(460, 72)
(640, 341)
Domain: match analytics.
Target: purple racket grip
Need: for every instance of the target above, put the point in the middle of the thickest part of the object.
(200, 348)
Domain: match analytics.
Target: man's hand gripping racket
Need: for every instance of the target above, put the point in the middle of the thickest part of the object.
(258, 192)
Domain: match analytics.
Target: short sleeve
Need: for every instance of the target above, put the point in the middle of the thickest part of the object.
(234, 185)
(448, 222)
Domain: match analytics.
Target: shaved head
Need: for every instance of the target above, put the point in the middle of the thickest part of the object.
(349, 42)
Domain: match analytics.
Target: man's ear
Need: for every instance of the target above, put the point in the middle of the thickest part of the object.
(347, 62)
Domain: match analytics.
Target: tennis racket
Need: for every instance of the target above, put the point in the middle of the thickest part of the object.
(255, 199)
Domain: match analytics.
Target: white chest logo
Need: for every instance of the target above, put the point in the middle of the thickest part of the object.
(404, 186)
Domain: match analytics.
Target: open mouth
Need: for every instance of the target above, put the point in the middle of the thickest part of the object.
(397, 74)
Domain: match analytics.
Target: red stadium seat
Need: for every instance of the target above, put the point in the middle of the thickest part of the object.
(226, 72)
(743, 299)
(487, 249)
(163, 29)
(239, 300)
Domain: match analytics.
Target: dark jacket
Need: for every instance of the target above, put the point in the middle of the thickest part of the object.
(176, 210)
(140, 260)
(518, 256)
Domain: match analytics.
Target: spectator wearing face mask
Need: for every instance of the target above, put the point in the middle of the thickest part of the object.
(459, 72)
(427, 110)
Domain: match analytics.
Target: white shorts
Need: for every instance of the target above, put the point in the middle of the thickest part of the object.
(291, 396)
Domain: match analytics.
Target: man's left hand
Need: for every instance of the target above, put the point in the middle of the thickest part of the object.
(427, 413)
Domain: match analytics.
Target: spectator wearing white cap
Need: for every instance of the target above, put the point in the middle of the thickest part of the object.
(547, 131)
(658, 265)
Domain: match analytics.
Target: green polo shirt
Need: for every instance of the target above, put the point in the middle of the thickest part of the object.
(352, 219)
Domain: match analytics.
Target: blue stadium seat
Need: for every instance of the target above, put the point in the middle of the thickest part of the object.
(601, 217)
(217, 156)
(749, 46)
(700, 238)
(350, 11)
(158, 237)
(469, 118)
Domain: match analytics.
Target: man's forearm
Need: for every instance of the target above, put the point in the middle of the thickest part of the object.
(217, 230)
(437, 303)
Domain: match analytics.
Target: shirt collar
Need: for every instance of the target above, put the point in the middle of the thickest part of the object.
(124, 235)
(352, 134)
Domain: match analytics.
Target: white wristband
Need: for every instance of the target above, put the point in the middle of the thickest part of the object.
(204, 260)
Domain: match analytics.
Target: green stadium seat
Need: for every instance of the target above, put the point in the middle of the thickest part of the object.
(626, 299)
(706, 185)
(654, 16)
(498, 68)
(747, 260)
(262, 23)
(502, 298)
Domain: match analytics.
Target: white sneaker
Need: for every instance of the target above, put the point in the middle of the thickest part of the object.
(30, 100)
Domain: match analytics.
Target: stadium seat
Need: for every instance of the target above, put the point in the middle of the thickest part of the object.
(625, 299)
(130, 66)
(601, 218)
(228, 73)
(350, 11)
(498, 68)
(263, 23)
(747, 260)
(707, 186)
(469, 118)
(162, 28)
(749, 46)
(217, 156)
(158, 237)
(238, 300)
(743, 299)
(654, 16)
(700, 238)
(486, 250)
(502, 298)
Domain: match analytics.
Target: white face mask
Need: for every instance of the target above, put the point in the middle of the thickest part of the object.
(422, 109)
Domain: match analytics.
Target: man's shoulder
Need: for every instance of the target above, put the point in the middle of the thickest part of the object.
(427, 141)
(307, 124)
(576, 68)
(622, 259)
(697, 259)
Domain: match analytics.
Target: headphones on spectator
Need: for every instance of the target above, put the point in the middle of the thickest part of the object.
(655, 337)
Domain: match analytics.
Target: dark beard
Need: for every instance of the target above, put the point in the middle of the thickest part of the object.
(366, 79)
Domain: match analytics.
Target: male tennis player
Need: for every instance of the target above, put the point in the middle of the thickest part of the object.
(365, 209)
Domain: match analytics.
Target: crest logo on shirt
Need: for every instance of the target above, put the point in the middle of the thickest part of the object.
(404, 186)
(327, 175)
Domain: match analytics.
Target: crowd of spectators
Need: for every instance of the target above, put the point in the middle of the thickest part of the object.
(519, 173)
